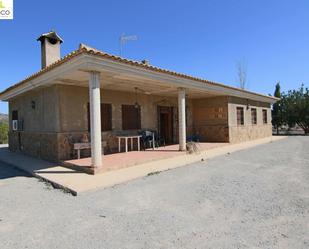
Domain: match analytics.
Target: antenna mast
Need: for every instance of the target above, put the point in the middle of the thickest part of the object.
(124, 39)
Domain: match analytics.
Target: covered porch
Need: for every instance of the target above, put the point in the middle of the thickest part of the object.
(123, 160)
(162, 104)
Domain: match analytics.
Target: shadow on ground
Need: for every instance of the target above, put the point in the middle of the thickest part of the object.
(30, 164)
(7, 171)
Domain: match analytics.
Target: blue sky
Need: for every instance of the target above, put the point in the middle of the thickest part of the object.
(201, 38)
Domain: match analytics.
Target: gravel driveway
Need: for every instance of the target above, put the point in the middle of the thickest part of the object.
(257, 198)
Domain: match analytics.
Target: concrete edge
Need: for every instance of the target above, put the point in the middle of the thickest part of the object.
(56, 185)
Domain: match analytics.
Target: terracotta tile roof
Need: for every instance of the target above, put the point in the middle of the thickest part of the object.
(84, 49)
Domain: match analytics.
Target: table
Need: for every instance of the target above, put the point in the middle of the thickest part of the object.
(129, 137)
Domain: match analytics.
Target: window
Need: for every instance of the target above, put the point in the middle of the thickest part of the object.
(106, 117)
(131, 117)
(253, 116)
(264, 116)
(15, 115)
(240, 116)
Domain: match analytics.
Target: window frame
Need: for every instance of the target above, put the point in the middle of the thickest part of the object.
(14, 114)
(241, 119)
(135, 116)
(254, 117)
(265, 116)
(105, 125)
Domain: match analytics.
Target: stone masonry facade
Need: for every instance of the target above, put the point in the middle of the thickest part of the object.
(248, 131)
(55, 117)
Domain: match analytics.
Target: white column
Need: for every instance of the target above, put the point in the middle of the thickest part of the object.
(119, 140)
(182, 118)
(126, 141)
(95, 119)
(138, 143)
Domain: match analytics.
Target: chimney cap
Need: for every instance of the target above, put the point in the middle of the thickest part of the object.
(50, 35)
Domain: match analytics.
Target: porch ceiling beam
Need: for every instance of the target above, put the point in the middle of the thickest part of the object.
(164, 91)
(140, 80)
(72, 82)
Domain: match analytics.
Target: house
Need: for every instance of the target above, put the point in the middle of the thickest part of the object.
(91, 92)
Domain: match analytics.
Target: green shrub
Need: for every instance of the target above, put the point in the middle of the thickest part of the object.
(4, 130)
(295, 108)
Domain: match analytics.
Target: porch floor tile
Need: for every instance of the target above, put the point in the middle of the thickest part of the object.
(123, 160)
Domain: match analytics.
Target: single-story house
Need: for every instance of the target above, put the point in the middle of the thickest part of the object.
(91, 92)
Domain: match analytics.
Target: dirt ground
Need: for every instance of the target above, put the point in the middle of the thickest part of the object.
(256, 198)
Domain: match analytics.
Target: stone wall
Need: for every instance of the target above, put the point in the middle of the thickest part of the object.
(40, 145)
(73, 114)
(37, 109)
(210, 118)
(54, 147)
(248, 131)
(74, 100)
(60, 118)
(67, 139)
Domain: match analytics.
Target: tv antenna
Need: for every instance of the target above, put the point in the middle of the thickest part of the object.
(124, 39)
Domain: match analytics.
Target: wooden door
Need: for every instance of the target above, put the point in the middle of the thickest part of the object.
(165, 123)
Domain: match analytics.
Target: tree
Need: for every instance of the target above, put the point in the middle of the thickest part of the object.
(295, 108)
(276, 111)
(4, 129)
(241, 74)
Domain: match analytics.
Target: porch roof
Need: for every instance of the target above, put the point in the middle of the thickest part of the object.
(87, 59)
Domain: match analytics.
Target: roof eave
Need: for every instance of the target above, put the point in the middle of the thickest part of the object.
(98, 54)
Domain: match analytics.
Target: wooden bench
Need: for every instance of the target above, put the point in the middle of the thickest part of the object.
(82, 146)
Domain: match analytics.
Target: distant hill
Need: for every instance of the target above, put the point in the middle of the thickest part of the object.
(4, 117)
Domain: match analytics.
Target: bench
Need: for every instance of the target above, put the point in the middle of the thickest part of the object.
(82, 146)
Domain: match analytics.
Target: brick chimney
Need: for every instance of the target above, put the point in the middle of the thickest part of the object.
(50, 48)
